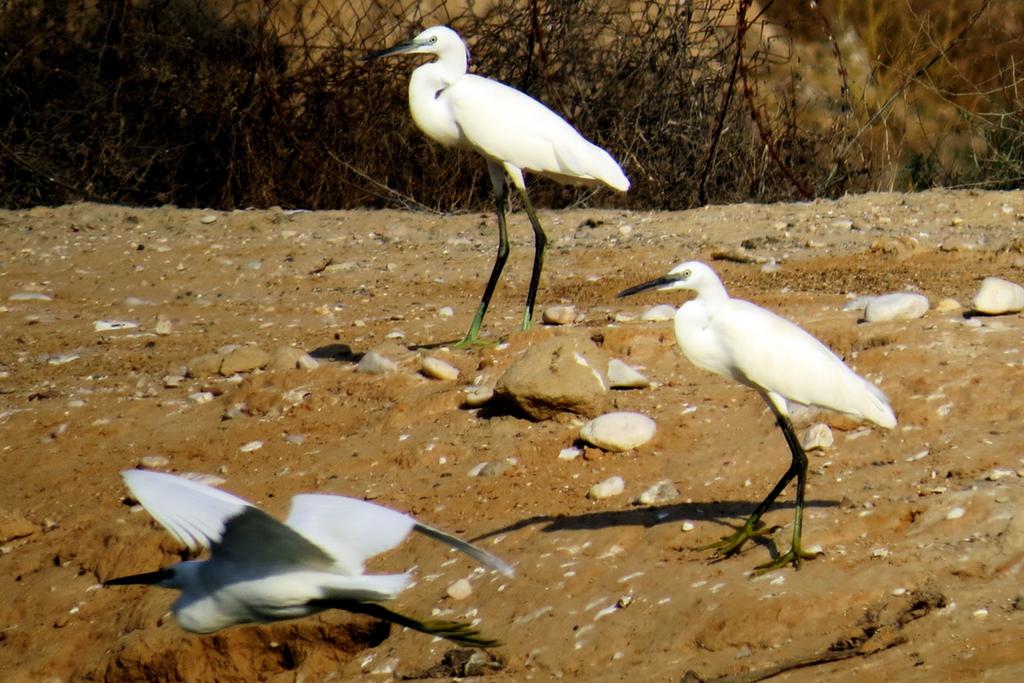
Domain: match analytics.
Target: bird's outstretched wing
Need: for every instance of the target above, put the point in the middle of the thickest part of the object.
(195, 514)
(352, 530)
(348, 530)
(479, 554)
(456, 631)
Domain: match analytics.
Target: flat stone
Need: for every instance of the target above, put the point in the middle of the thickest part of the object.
(899, 306)
(620, 431)
(559, 315)
(612, 486)
(206, 365)
(244, 359)
(435, 368)
(997, 296)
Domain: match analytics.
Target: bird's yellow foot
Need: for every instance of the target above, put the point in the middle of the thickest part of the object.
(794, 556)
(731, 544)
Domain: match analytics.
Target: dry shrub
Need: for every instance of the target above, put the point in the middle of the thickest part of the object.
(236, 103)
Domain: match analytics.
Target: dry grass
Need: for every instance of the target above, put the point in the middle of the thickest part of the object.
(262, 102)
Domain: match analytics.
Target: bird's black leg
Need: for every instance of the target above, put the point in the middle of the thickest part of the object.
(753, 526)
(540, 247)
(456, 631)
(499, 261)
(796, 553)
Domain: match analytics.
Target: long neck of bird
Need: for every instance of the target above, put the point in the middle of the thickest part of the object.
(425, 87)
(712, 292)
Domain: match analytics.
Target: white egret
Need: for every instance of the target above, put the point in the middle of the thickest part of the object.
(753, 346)
(262, 570)
(512, 131)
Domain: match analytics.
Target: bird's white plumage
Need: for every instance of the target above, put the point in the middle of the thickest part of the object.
(263, 570)
(749, 344)
(503, 124)
(192, 512)
(347, 529)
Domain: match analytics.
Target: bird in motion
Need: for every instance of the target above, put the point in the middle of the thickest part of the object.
(262, 570)
(512, 131)
(784, 364)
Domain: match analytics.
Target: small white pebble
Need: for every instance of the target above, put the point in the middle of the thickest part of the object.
(688, 526)
(955, 513)
(251, 446)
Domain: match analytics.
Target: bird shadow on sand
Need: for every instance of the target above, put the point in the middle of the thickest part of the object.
(728, 514)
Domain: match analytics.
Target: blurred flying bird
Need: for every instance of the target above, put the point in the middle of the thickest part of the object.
(755, 347)
(262, 570)
(512, 131)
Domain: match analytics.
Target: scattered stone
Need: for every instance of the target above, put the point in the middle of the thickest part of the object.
(817, 437)
(688, 526)
(153, 462)
(620, 431)
(29, 296)
(997, 296)
(899, 306)
(445, 312)
(206, 365)
(290, 358)
(997, 474)
(559, 315)
(623, 376)
(658, 314)
(62, 358)
(570, 453)
(295, 439)
(493, 469)
(663, 491)
(612, 486)
(208, 219)
(980, 613)
(251, 446)
(948, 305)
(133, 301)
(955, 513)
(476, 396)
(244, 359)
(374, 363)
(112, 325)
(555, 376)
(163, 325)
(201, 397)
(460, 590)
(435, 368)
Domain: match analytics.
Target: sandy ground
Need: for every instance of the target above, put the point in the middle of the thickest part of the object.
(606, 590)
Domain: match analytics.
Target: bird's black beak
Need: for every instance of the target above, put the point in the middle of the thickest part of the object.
(393, 50)
(653, 284)
(148, 578)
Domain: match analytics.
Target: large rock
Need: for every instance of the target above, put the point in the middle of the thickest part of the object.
(559, 375)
